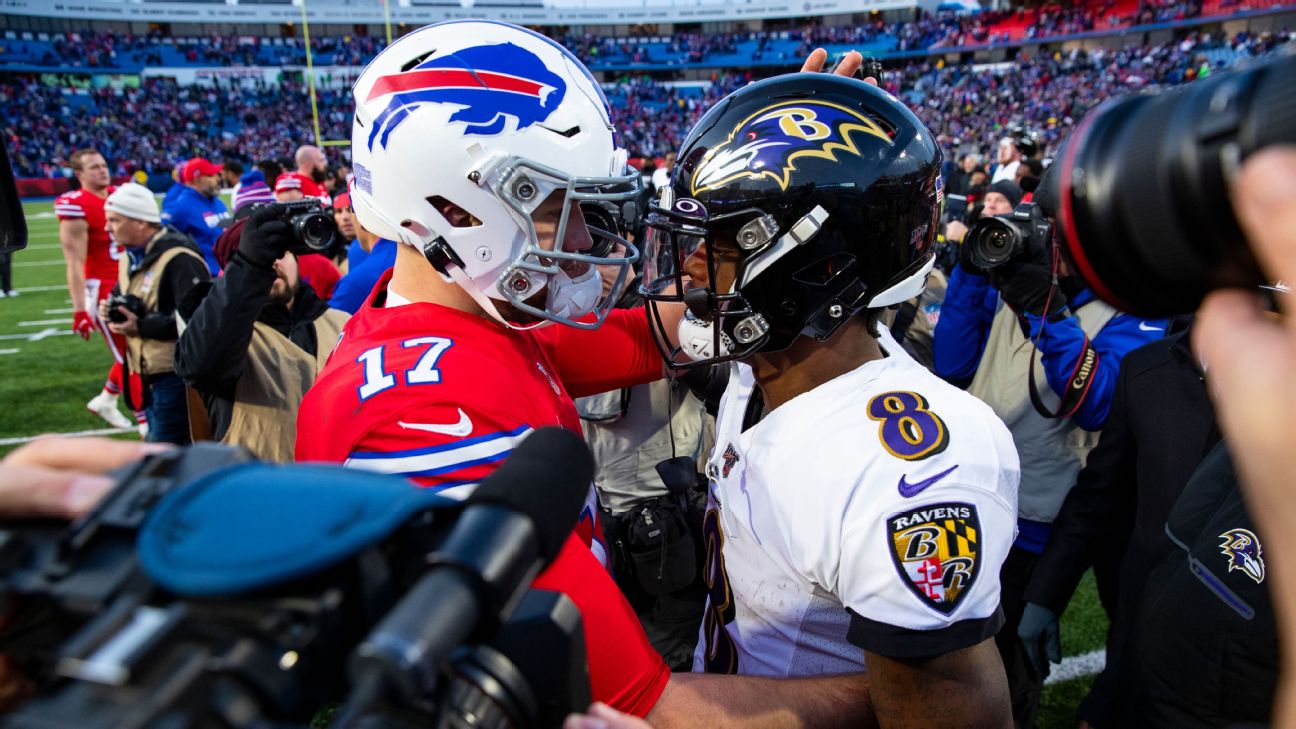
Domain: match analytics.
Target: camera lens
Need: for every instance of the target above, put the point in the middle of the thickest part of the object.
(993, 242)
(314, 230)
(1144, 208)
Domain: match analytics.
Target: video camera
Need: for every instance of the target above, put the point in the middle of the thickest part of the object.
(191, 601)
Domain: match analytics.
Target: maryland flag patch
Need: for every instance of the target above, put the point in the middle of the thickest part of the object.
(935, 550)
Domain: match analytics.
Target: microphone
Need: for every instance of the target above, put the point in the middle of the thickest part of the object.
(515, 524)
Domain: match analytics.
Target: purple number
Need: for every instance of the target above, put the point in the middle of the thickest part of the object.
(721, 654)
(907, 428)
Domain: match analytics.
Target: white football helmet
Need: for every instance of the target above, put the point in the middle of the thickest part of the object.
(493, 119)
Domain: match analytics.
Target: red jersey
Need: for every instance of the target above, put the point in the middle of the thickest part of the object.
(102, 251)
(441, 397)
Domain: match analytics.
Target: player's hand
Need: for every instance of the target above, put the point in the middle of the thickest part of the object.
(848, 66)
(103, 310)
(83, 324)
(602, 716)
(266, 237)
(1040, 636)
(63, 477)
(128, 328)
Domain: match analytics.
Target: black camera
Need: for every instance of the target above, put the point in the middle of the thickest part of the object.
(1144, 210)
(312, 225)
(421, 615)
(130, 302)
(1023, 233)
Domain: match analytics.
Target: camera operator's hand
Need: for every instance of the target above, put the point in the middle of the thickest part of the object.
(128, 328)
(83, 324)
(955, 231)
(1249, 356)
(1026, 286)
(266, 237)
(63, 477)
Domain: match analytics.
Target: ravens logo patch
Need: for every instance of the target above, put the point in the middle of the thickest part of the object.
(936, 550)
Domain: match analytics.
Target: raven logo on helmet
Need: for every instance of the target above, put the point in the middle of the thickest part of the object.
(768, 144)
(487, 82)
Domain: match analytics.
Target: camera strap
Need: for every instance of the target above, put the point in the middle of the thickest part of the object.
(1077, 385)
(1081, 377)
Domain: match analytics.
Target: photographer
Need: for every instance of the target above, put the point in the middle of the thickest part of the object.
(161, 266)
(1002, 333)
(255, 344)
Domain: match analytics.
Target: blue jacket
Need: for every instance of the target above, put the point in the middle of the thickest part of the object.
(960, 338)
(356, 254)
(354, 287)
(199, 217)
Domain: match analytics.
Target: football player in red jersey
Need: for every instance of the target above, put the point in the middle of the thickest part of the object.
(449, 363)
(91, 257)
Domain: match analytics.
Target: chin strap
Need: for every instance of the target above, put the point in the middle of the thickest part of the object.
(445, 262)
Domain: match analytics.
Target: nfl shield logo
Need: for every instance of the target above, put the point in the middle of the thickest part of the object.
(730, 458)
(935, 550)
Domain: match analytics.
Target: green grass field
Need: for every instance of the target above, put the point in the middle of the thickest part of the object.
(47, 374)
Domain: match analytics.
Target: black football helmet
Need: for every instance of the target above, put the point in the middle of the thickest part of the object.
(827, 190)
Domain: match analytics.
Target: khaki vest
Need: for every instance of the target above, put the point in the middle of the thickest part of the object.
(275, 378)
(149, 356)
(1052, 451)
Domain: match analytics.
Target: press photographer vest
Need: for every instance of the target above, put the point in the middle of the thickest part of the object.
(275, 378)
(150, 356)
(1052, 451)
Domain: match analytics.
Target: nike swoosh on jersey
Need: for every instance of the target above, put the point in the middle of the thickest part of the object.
(459, 429)
(1144, 327)
(908, 490)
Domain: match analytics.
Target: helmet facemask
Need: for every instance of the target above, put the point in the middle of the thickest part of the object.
(570, 280)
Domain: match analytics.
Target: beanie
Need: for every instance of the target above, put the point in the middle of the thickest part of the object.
(134, 201)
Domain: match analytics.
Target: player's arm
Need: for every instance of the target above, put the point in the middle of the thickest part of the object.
(966, 689)
(74, 239)
(620, 353)
(735, 702)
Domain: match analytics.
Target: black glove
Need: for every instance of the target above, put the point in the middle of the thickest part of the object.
(965, 260)
(266, 237)
(1025, 287)
(1040, 636)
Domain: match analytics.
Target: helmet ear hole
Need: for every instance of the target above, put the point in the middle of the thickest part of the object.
(454, 214)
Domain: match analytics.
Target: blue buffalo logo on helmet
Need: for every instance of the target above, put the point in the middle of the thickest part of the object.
(1242, 547)
(769, 143)
(491, 84)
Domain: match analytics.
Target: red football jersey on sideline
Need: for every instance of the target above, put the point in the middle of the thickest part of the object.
(102, 251)
(441, 397)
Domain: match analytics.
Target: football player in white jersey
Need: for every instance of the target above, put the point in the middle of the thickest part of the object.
(860, 507)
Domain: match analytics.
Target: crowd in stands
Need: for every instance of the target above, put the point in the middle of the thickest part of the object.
(152, 127)
(930, 30)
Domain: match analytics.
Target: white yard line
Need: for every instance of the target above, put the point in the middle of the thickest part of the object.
(10, 351)
(36, 264)
(1073, 667)
(38, 289)
(41, 323)
(78, 434)
(37, 336)
(68, 310)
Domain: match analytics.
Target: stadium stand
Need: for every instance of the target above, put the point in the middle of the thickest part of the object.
(968, 107)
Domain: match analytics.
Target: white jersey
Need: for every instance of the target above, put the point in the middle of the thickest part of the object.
(871, 513)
